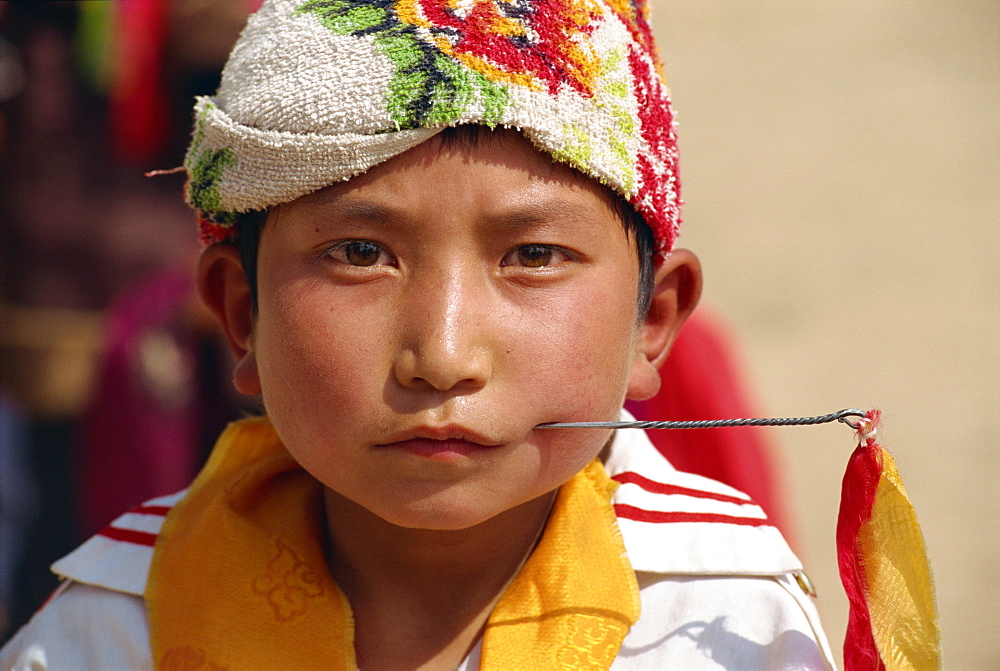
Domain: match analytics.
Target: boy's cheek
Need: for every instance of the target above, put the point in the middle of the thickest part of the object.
(567, 358)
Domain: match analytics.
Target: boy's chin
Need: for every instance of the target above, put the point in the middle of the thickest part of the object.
(452, 511)
(443, 522)
(440, 516)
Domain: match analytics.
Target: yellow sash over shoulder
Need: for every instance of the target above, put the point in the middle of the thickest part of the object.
(239, 579)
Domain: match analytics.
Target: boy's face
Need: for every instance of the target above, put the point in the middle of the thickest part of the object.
(417, 322)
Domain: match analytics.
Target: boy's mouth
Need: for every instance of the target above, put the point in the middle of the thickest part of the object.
(445, 443)
(448, 449)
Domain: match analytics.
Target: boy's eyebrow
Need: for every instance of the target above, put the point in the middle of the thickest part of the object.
(353, 208)
(549, 210)
(515, 217)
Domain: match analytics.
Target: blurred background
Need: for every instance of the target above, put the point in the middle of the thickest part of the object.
(113, 382)
(840, 167)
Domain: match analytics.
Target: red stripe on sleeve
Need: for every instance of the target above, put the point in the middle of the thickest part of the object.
(630, 477)
(129, 536)
(151, 510)
(661, 517)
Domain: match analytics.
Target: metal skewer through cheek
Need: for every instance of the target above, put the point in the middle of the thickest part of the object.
(839, 416)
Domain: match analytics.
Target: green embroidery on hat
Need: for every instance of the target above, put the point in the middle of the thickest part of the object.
(205, 167)
(577, 149)
(199, 126)
(611, 90)
(428, 87)
(617, 89)
(617, 141)
(348, 17)
(431, 89)
(205, 173)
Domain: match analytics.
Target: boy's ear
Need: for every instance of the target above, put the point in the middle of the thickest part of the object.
(676, 289)
(223, 287)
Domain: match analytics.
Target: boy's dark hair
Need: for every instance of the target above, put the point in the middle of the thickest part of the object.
(250, 225)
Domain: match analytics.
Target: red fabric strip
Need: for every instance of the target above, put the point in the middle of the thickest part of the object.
(630, 477)
(151, 510)
(129, 536)
(661, 517)
(864, 469)
(137, 103)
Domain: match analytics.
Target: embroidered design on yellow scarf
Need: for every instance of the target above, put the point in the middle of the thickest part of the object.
(239, 579)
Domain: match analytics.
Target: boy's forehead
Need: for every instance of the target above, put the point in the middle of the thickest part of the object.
(508, 175)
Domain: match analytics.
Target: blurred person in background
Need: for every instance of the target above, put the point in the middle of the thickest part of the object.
(103, 347)
(18, 499)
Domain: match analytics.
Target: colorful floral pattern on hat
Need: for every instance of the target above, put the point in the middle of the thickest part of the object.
(318, 91)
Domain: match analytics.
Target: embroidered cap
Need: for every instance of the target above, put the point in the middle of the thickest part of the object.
(319, 91)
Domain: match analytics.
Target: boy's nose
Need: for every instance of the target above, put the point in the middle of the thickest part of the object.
(445, 344)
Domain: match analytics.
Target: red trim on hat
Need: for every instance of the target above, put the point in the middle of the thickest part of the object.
(210, 232)
(658, 199)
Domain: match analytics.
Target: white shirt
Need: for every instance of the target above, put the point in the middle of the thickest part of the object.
(720, 588)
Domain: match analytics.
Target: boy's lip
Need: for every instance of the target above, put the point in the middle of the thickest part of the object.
(444, 433)
(441, 443)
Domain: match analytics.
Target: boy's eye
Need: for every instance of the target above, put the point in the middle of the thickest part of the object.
(535, 256)
(360, 253)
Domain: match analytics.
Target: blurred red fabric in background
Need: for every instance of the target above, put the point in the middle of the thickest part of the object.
(702, 379)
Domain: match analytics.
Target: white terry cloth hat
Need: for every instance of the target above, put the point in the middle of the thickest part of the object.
(318, 91)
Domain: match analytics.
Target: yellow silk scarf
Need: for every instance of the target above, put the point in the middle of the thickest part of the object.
(900, 590)
(892, 622)
(239, 579)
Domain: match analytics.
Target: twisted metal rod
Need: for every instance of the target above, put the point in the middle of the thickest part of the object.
(839, 416)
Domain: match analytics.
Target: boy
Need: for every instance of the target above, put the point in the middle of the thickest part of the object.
(413, 294)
